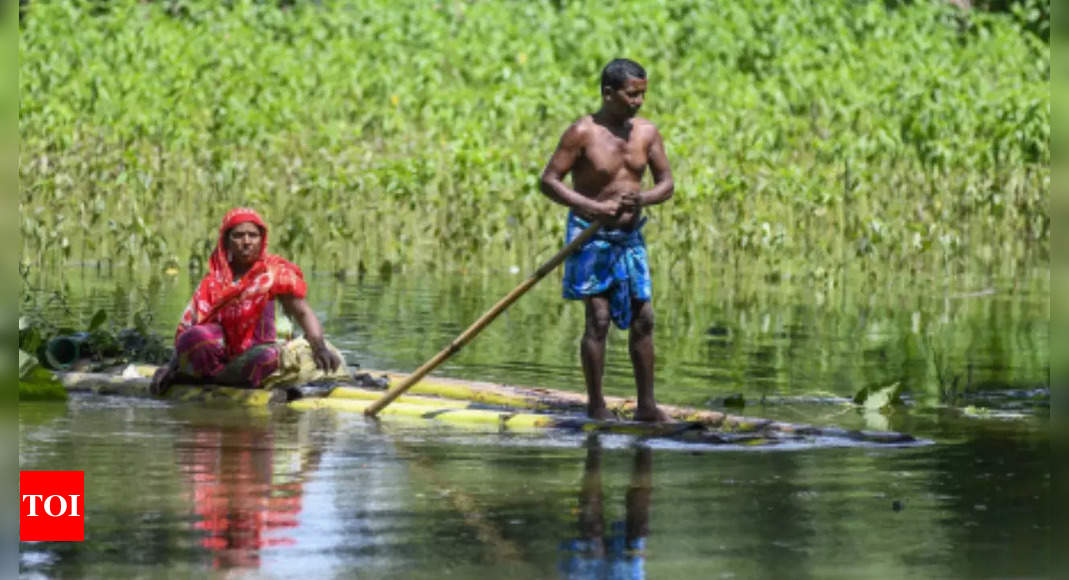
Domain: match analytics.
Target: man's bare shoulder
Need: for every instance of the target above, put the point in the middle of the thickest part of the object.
(578, 133)
(644, 126)
(582, 126)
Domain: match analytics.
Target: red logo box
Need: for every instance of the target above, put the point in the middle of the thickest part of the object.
(51, 506)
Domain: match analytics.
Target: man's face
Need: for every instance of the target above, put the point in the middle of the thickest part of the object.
(244, 242)
(628, 98)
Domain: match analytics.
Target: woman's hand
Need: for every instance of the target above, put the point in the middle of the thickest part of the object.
(301, 313)
(326, 359)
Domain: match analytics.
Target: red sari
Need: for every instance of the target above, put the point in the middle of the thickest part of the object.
(239, 306)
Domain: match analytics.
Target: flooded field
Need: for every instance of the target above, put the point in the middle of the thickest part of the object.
(178, 489)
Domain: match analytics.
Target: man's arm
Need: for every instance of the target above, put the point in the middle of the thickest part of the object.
(552, 184)
(300, 312)
(663, 184)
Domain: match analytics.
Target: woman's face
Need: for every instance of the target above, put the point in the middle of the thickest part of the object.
(243, 243)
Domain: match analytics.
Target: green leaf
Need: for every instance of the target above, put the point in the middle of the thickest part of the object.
(30, 339)
(98, 319)
(26, 363)
(879, 398)
(36, 383)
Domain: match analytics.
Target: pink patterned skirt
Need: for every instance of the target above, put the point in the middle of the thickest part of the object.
(201, 354)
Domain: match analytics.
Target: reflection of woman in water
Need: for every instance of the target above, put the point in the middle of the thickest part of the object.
(243, 488)
(621, 554)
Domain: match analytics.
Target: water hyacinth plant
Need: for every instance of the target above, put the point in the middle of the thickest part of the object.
(808, 138)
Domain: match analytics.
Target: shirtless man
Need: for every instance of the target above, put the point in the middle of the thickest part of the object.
(607, 154)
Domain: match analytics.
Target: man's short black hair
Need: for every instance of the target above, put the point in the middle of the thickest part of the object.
(616, 73)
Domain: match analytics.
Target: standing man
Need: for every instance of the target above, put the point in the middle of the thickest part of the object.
(607, 154)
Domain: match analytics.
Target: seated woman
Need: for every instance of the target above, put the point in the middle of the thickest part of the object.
(227, 333)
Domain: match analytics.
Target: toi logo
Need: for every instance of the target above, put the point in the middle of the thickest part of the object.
(51, 506)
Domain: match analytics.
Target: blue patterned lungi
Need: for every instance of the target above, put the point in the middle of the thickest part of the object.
(623, 558)
(612, 261)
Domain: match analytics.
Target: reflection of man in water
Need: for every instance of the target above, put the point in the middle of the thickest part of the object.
(621, 554)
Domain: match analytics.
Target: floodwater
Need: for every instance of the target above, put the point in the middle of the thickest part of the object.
(174, 489)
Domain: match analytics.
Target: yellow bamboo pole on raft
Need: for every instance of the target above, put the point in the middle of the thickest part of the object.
(482, 322)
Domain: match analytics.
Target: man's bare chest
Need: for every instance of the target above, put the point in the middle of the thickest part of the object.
(613, 156)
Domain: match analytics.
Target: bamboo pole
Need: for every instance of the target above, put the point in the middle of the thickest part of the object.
(483, 321)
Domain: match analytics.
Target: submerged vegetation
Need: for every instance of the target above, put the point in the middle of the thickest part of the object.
(808, 139)
(36, 383)
(101, 345)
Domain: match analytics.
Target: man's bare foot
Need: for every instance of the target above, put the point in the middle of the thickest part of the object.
(654, 415)
(600, 414)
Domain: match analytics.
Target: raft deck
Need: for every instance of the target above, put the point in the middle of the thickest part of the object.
(508, 407)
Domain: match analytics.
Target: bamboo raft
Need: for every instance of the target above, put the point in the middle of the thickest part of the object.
(492, 405)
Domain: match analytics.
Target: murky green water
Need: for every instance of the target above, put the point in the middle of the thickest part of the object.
(174, 489)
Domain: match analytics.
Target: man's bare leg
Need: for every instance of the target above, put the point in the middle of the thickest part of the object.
(592, 353)
(640, 345)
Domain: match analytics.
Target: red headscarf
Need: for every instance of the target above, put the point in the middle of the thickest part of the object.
(238, 306)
